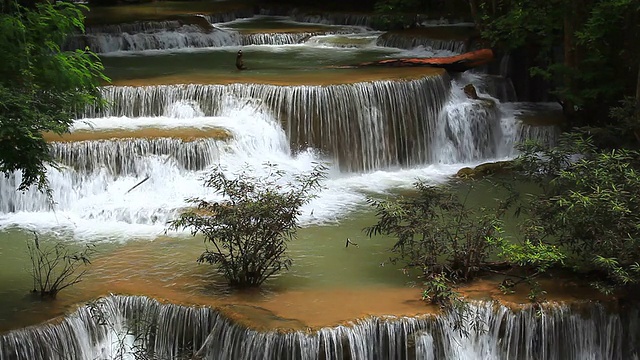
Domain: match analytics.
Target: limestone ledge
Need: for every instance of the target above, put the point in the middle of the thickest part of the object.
(185, 134)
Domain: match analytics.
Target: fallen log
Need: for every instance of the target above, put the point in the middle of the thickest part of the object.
(457, 63)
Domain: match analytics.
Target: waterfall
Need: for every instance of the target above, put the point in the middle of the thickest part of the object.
(127, 156)
(542, 124)
(278, 38)
(411, 41)
(471, 130)
(365, 40)
(185, 36)
(136, 27)
(363, 126)
(124, 325)
(334, 18)
(545, 135)
(229, 16)
(93, 182)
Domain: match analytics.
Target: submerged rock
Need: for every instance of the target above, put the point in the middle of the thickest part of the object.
(490, 168)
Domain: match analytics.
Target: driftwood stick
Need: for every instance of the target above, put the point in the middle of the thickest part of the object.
(138, 184)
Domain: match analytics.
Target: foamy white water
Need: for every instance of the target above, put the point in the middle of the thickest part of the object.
(99, 205)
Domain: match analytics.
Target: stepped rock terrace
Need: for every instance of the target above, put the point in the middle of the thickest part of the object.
(184, 134)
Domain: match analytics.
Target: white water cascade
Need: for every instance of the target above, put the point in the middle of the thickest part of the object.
(137, 326)
(181, 34)
(184, 36)
(375, 135)
(364, 126)
(410, 42)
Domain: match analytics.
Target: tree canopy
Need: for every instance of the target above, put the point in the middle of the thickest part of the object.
(586, 49)
(41, 87)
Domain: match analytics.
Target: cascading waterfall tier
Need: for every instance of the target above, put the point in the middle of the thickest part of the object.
(189, 32)
(335, 19)
(183, 36)
(411, 41)
(471, 131)
(229, 16)
(545, 135)
(364, 126)
(279, 38)
(124, 156)
(187, 36)
(136, 27)
(124, 326)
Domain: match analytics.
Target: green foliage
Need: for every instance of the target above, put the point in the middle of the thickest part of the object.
(436, 233)
(249, 229)
(590, 206)
(514, 24)
(395, 14)
(599, 40)
(536, 257)
(55, 267)
(41, 87)
(438, 290)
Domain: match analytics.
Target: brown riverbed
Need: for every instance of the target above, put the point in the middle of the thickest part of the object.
(326, 76)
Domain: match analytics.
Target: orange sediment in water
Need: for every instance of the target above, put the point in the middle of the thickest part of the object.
(283, 309)
(268, 308)
(324, 76)
(558, 289)
(185, 134)
(289, 308)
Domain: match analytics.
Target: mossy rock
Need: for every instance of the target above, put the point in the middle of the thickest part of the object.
(486, 169)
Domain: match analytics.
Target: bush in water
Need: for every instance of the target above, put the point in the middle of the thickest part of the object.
(449, 241)
(437, 234)
(55, 267)
(250, 227)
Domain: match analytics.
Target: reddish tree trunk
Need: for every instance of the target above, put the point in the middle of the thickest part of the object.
(458, 63)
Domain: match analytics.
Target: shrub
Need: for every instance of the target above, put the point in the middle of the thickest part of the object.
(249, 229)
(436, 232)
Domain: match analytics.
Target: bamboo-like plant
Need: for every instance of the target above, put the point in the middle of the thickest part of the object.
(55, 267)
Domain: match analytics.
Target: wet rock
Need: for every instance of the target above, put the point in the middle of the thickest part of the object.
(486, 169)
(471, 92)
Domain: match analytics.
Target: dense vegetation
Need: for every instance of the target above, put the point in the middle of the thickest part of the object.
(589, 206)
(600, 52)
(41, 87)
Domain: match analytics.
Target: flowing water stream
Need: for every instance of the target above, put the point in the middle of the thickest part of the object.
(179, 107)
